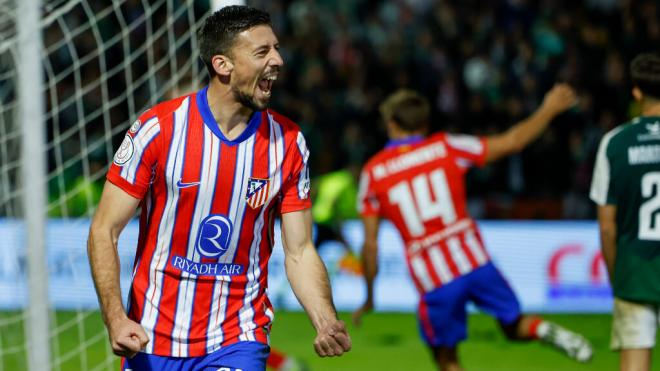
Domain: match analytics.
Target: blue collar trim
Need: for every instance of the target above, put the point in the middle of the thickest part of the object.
(408, 140)
(209, 120)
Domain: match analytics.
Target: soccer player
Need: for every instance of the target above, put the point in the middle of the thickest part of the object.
(418, 184)
(626, 188)
(211, 171)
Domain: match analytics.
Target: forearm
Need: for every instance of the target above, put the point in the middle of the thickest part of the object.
(526, 131)
(310, 284)
(104, 263)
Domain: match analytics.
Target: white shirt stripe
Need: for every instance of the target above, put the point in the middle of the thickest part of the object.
(422, 274)
(148, 132)
(457, 253)
(303, 179)
(475, 247)
(600, 182)
(439, 264)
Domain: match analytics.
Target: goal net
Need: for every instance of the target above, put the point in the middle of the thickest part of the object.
(104, 63)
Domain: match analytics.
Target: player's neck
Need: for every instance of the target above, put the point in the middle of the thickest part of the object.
(651, 108)
(403, 135)
(232, 117)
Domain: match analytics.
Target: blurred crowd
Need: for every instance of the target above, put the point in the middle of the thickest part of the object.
(483, 65)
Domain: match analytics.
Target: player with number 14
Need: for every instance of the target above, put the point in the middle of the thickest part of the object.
(418, 183)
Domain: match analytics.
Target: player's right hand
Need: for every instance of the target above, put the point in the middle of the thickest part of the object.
(367, 307)
(332, 340)
(560, 98)
(127, 337)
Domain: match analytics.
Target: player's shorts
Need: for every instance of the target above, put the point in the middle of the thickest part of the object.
(634, 325)
(442, 312)
(241, 356)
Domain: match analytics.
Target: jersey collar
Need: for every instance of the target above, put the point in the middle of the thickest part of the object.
(209, 120)
(407, 140)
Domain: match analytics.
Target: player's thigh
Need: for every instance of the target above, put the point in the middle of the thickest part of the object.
(241, 356)
(442, 314)
(490, 291)
(634, 325)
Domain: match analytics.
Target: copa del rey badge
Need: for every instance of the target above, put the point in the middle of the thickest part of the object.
(257, 192)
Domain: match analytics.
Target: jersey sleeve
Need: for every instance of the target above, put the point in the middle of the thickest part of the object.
(133, 165)
(367, 203)
(601, 185)
(467, 150)
(295, 190)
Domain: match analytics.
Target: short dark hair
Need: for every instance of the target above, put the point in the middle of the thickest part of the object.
(218, 33)
(645, 74)
(407, 108)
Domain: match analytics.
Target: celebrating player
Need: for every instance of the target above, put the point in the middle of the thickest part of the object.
(626, 188)
(211, 170)
(418, 184)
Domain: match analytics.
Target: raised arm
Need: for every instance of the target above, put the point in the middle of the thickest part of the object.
(560, 98)
(309, 281)
(115, 210)
(369, 263)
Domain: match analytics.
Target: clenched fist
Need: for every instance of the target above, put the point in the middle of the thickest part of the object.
(332, 340)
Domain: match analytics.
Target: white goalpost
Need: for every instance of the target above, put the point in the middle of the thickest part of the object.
(74, 74)
(31, 117)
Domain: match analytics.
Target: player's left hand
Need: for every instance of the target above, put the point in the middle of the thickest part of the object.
(332, 340)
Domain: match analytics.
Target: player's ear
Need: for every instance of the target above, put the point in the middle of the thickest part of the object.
(222, 65)
(637, 93)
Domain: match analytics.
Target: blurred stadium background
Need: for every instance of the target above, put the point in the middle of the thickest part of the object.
(484, 64)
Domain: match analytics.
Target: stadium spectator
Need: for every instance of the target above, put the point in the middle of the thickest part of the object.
(626, 188)
(211, 170)
(418, 184)
(342, 56)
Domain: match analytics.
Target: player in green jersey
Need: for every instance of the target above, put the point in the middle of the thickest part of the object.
(626, 188)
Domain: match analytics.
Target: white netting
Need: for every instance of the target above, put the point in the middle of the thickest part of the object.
(104, 62)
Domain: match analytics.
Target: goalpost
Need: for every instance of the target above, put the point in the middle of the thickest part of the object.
(74, 74)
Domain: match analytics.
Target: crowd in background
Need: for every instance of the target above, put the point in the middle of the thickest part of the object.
(482, 64)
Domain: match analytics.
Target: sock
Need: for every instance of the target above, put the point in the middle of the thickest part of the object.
(539, 328)
(276, 359)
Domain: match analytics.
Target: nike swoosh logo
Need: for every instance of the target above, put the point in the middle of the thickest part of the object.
(181, 184)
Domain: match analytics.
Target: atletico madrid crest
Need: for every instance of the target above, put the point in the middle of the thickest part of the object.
(257, 192)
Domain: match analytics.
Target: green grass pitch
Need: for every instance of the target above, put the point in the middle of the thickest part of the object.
(385, 341)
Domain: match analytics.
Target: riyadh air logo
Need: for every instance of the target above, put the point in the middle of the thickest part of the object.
(257, 192)
(214, 236)
(125, 151)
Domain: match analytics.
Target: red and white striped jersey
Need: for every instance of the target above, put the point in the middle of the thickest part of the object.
(419, 185)
(206, 227)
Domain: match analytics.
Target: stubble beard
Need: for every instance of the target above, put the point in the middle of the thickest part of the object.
(248, 100)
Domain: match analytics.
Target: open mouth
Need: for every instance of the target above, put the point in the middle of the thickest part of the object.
(266, 84)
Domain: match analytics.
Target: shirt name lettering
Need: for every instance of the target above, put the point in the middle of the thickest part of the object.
(414, 158)
(648, 154)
